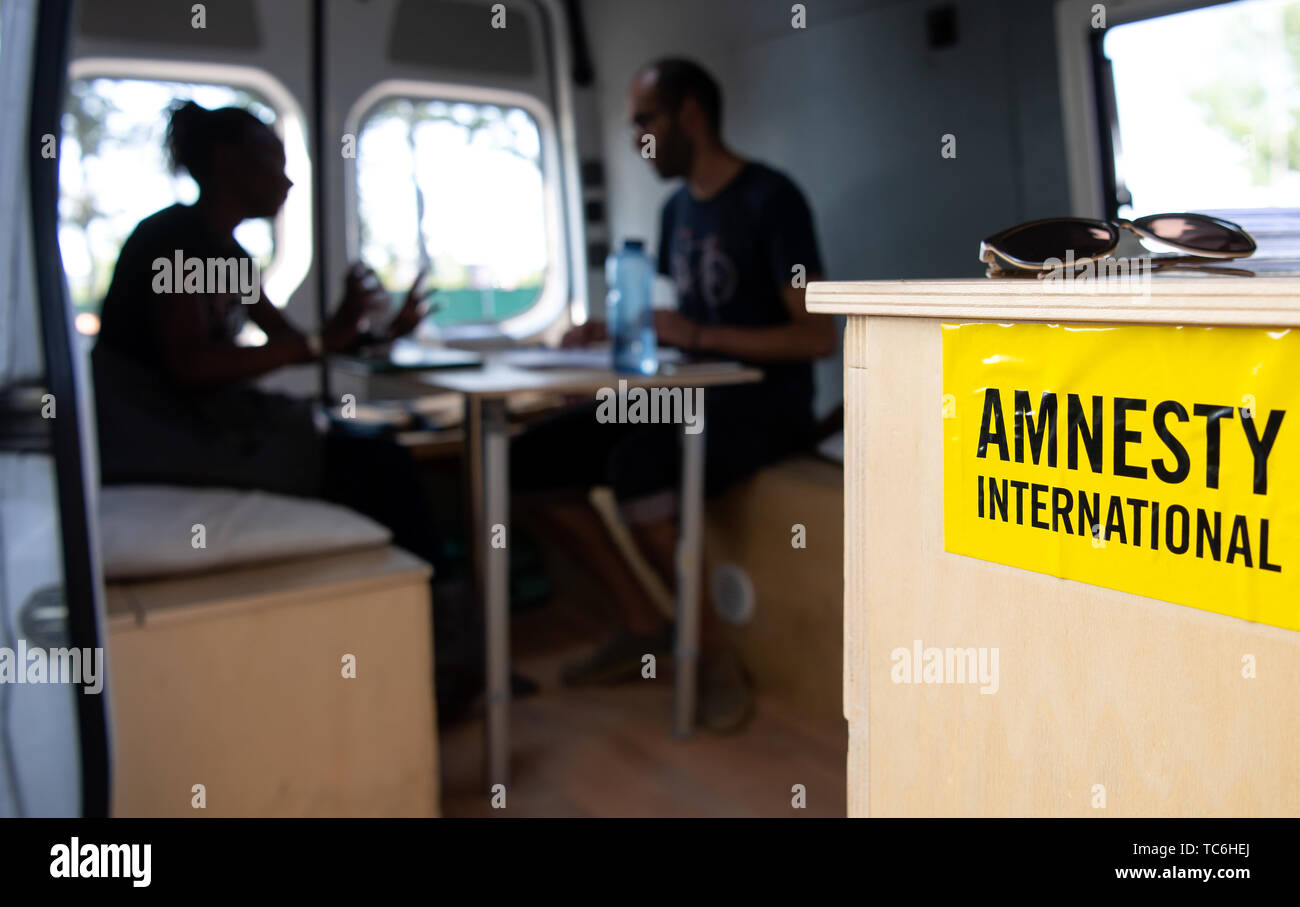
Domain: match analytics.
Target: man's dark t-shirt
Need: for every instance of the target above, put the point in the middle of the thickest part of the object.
(731, 255)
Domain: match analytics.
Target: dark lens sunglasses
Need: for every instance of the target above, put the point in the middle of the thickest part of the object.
(1033, 245)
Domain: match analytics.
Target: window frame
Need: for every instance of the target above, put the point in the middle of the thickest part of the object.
(293, 227)
(1086, 136)
(553, 300)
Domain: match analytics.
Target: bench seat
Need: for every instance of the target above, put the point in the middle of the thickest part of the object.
(233, 680)
(793, 641)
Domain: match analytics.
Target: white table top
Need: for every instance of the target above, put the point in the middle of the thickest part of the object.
(500, 379)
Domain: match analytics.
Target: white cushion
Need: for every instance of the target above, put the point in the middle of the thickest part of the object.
(148, 530)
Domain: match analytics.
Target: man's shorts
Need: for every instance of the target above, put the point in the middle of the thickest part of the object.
(744, 430)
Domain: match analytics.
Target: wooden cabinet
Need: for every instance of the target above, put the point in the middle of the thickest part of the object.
(234, 680)
(1105, 697)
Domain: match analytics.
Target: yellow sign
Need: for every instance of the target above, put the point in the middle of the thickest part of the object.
(1162, 461)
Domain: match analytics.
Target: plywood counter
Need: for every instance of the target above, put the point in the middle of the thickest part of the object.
(1107, 702)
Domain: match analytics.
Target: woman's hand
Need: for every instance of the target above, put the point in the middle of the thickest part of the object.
(360, 295)
(414, 309)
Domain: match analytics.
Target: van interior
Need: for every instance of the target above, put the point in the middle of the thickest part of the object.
(260, 652)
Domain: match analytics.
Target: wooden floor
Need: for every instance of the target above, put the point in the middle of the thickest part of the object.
(610, 751)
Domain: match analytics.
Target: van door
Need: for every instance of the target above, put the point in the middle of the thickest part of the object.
(53, 726)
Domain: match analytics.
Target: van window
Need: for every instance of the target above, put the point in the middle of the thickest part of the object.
(1205, 106)
(114, 172)
(459, 188)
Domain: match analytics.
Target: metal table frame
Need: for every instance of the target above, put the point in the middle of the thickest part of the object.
(488, 457)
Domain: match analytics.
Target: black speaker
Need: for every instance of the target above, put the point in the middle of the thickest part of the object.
(941, 27)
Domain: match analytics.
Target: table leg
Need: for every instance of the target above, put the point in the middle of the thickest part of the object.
(690, 557)
(489, 460)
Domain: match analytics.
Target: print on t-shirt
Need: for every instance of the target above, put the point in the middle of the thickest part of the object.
(707, 258)
(731, 257)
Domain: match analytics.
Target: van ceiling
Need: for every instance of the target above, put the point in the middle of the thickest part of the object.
(168, 22)
(452, 36)
(444, 35)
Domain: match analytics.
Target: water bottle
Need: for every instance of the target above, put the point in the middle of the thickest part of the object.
(629, 311)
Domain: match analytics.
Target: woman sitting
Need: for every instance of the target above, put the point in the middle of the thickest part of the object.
(175, 395)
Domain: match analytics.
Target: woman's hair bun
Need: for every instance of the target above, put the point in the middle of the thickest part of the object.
(194, 131)
(187, 137)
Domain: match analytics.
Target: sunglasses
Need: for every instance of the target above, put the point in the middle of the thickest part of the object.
(1043, 244)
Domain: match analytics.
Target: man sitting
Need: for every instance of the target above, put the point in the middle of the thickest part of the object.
(737, 239)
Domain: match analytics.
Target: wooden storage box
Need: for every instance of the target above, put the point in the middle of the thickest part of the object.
(792, 643)
(233, 680)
